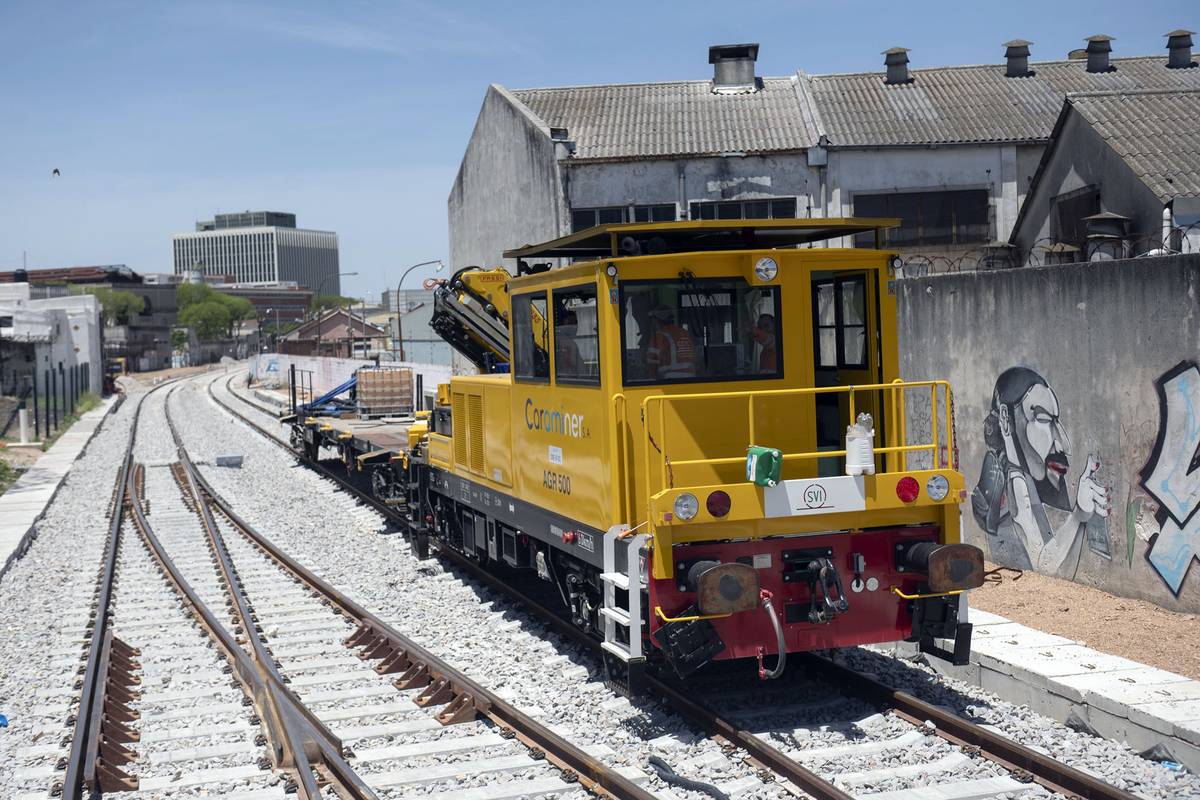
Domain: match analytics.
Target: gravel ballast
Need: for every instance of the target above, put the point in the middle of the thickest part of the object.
(45, 598)
(503, 648)
(379, 572)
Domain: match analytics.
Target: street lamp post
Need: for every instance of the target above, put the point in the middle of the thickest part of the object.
(317, 300)
(399, 317)
(276, 337)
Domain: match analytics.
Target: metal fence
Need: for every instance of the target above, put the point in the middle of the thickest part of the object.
(55, 395)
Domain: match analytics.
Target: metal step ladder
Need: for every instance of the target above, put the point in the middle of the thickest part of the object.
(627, 576)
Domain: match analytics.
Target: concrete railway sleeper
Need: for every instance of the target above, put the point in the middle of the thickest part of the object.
(1026, 765)
(461, 698)
(437, 683)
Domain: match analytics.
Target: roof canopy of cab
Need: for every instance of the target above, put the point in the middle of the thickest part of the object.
(655, 238)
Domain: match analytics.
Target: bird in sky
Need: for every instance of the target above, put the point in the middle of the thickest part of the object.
(56, 173)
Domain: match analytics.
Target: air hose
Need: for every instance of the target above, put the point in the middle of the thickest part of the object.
(670, 776)
(781, 662)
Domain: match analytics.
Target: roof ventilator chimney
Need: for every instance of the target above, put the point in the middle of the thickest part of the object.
(1016, 53)
(1098, 48)
(564, 146)
(896, 61)
(1179, 49)
(733, 68)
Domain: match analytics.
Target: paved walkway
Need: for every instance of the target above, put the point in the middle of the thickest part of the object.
(1155, 712)
(26, 500)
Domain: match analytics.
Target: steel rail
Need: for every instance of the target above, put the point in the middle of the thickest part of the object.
(1011, 755)
(299, 740)
(444, 681)
(85, 762)
(1015, 757)
(721, 729)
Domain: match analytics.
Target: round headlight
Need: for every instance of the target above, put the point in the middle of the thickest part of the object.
(766, 269)
(686, 505)
(896, 263)
(937, 487)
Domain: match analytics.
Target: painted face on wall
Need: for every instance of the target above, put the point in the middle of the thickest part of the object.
(1045, 447)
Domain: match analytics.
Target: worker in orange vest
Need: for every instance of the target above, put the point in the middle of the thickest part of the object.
(671, 354)
(764, 334)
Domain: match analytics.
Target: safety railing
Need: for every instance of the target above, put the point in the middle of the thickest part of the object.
(892, 405)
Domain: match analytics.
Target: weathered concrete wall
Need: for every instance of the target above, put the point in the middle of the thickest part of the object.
(1004, 170)
(508, 190)
(681, 181)
(1077, 411)
(1082, 158)
(327, 373)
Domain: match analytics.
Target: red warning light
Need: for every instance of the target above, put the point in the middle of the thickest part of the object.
(718, 503)
(907, 489)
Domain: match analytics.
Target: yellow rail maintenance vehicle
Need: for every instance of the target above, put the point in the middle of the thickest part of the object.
(698, 433)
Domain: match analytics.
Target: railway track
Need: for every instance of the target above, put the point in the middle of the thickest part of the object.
(898, 739)
(221, 666)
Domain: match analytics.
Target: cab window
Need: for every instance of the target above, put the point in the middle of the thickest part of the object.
(679, 331)
(841, 322)
(576, 336)
(531, 338)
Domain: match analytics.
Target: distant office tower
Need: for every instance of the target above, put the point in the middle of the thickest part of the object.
(260, 247)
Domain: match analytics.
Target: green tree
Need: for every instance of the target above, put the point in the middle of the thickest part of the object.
(179, 339)
(188, 294)
(116, 306)
(194, 295)
(210, 319)
(239, 309)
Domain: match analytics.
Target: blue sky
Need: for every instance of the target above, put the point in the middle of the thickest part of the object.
(354, 114)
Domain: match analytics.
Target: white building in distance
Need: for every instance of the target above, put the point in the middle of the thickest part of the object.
(261, 247)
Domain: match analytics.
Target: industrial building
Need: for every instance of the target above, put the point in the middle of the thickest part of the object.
(260, 247)
(412, 338)
(143, 339)
(952, 150)
(42, 333)
(1121, 179)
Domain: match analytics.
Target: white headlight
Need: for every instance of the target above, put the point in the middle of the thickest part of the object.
(766, 269)
(686, 505)
(937, 487)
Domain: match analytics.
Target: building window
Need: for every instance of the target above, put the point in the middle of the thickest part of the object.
(576, 336)
(654, 213)
(584, 218)
(841, 323)
(531, 337)
(927, 218)
(1067, 215)
(767, 208)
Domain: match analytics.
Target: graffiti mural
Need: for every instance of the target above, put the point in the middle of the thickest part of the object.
(1168, 518)
(1022, 499)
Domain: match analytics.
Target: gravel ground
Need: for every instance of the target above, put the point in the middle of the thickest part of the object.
(519, 658)
(44, 603)
(301, 511)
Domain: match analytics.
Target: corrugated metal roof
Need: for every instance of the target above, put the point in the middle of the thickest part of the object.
(654, 120)
(965, 104)
(1154, 132)
(942, 105)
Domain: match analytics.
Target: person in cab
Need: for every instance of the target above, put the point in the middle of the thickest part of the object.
(671, 353)
(764, 334)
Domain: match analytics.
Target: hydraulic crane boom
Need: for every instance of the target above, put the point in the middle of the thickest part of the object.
(470, 311)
